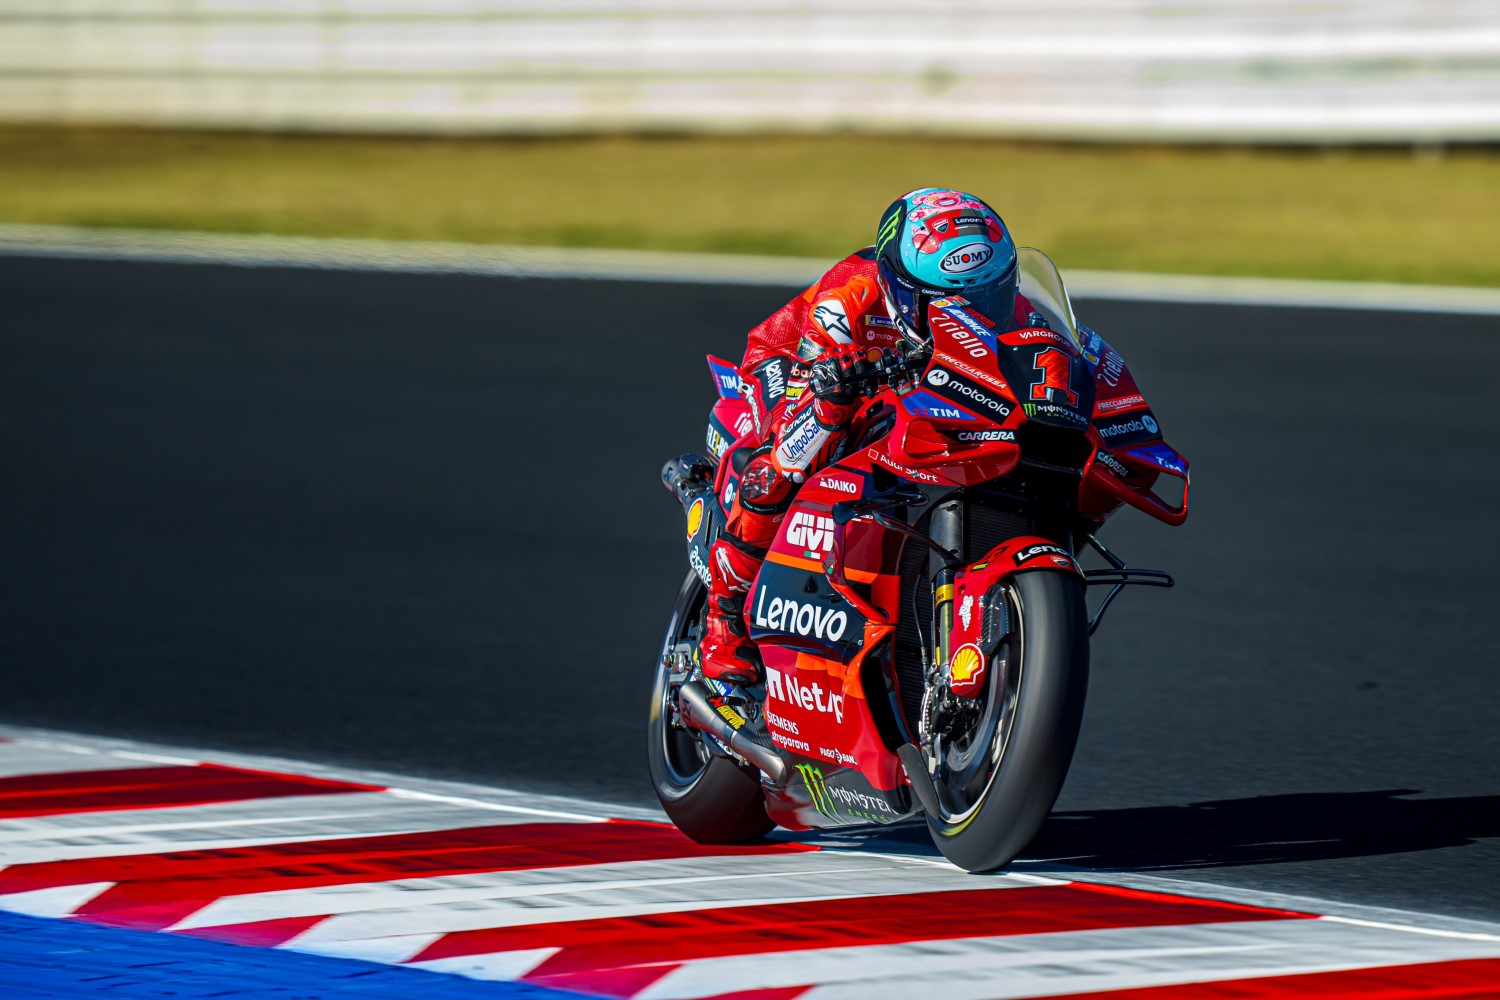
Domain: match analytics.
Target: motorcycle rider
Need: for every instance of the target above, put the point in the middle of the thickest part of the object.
(802, 376)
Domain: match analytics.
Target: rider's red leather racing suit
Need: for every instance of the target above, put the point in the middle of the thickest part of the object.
(843, 313)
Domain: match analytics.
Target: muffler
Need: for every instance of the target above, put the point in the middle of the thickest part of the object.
(697, 711)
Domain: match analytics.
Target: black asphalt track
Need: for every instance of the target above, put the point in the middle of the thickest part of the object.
(413, 522)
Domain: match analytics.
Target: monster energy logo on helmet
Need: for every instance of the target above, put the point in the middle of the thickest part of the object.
(889, 226)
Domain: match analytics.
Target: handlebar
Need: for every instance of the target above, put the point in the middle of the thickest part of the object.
(868, 377)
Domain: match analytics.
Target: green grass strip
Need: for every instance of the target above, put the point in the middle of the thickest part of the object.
(1383, 215)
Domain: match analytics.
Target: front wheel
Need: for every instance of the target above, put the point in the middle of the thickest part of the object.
(1000, 770)
(707, 796)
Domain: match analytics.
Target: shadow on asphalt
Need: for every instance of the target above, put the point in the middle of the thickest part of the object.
(1271, 829)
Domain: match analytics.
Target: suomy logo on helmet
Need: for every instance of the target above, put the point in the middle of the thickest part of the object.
(967, 258)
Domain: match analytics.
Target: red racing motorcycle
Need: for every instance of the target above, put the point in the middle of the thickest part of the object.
(921, 614)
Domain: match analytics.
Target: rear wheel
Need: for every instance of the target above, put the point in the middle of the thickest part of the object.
(1000, 766)
(707, 796)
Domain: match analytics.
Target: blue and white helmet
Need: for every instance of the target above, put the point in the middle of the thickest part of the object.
(937, 242)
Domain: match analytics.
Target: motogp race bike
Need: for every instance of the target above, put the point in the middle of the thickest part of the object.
(921, 614)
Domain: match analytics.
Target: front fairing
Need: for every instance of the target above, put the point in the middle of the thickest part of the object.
(983, 383)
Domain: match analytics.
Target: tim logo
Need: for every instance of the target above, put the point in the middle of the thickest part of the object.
(811, 532)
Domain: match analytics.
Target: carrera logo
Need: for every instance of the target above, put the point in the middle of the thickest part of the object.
(967, 258)
(841, 485)
(810, 532)
(1111, 463)
(985, 436)
(1033, 551)
(808, 697)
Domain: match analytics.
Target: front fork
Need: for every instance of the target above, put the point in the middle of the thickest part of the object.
(947, 530)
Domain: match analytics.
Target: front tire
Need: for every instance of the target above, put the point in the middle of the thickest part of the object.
(995, 800)
(707, 796)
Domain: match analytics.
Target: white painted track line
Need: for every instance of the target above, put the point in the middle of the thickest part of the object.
(496, 884)
(166, 246)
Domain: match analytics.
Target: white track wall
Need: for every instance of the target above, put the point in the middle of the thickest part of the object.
(1279, 70)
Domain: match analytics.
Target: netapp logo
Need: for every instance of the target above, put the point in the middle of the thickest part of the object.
(808, 697)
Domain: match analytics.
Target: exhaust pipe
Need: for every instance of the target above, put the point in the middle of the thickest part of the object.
(698, 712)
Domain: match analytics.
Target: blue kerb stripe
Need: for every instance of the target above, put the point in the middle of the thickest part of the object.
(63, 958)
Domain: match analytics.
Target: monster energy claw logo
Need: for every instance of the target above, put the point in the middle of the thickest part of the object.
(818, 789)
(888, 230)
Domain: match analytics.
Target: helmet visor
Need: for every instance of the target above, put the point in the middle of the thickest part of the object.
(994, 300)
(907, 303)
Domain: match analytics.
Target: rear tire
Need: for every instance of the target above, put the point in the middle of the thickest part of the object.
(1039, 696)
(707, 796)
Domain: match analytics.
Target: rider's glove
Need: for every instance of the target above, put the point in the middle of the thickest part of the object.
(841, 378)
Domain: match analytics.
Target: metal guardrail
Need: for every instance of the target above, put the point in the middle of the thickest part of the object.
(1281, 70)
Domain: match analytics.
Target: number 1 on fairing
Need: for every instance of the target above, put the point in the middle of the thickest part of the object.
(1057, 377)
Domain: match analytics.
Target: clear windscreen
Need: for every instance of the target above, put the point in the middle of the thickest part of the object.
(1043, 286)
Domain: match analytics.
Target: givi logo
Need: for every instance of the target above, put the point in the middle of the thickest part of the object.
(811, 531)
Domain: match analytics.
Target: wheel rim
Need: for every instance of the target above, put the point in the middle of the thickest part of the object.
(684, 757)
(967, 768)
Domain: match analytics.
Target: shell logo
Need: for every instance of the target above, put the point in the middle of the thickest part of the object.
(695, 517)
(967, 667)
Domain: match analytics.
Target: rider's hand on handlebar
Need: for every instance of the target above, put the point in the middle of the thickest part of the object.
(841, 378)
